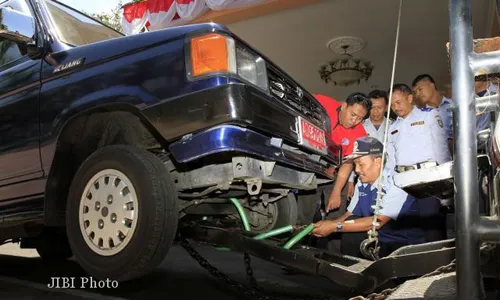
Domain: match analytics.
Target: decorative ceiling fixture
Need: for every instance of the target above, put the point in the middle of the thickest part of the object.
(346, 70)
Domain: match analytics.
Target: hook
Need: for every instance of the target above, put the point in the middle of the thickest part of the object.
(370, 248)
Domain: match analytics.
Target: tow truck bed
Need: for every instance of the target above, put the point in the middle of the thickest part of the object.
(360, 275)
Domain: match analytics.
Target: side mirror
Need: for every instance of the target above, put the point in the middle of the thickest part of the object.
(16, 26)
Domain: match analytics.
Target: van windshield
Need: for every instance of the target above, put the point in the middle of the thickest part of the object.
(75, 28)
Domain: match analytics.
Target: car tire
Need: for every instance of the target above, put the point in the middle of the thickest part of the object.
(287, 211)
(127, 226)
(284, 212)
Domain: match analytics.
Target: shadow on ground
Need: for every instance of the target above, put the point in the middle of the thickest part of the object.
(180, 275)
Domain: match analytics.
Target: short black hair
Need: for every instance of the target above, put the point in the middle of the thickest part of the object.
(361, 99)
(375, 94)
(422, 77)
(402, 88)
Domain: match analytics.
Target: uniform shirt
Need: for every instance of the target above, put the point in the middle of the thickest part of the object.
(339, 135)
(483, 121)
(372, 131)
(444, 111)
(404, 226)
(417, 138)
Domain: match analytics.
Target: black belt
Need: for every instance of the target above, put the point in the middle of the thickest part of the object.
(422, 165)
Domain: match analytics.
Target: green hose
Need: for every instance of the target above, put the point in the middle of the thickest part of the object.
(273, 232)
(243, 216)
(299, 236)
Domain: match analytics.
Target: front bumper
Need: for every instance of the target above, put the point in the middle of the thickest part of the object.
(230, 138)
(240, 105)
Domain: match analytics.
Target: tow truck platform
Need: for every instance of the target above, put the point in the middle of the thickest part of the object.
(356, 274)
(420, 264)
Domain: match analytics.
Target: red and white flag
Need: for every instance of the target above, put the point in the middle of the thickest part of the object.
(161, 11)
(158, 14)
(191, 9)
(135, 17)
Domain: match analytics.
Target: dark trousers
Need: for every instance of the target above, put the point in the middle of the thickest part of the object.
(433, 220)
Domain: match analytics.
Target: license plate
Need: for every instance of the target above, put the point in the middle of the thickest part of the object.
(311, 136)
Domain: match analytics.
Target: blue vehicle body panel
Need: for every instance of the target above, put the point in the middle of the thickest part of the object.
(146, 70)
(19, 128)
(144, 74)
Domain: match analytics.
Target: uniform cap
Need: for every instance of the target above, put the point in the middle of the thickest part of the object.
(366, 146)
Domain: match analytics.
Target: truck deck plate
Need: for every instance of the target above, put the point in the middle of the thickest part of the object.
(354, 273)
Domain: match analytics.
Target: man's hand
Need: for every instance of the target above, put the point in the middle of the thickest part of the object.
(333, 201)
(330, 172)
(350, 189)
(324, 228)
(342, 177)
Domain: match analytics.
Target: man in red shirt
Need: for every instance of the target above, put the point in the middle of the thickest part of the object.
(345, 119)
(346, 127)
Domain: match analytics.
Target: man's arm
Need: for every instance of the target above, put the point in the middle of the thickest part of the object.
(350, 184)
(327, 227)
(342, 177)
(390, 158)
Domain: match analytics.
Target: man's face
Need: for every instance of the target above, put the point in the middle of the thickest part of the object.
(401, 103)
(480, 86)
(424, 90)
(368, 168)
(379, 108)
(352, 115)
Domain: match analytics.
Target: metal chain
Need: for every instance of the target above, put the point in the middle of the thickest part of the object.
(387, 292)
(372, 233)
(249, 293)
(255, 294)
(486, 248)
(249, 271)
(253, 283)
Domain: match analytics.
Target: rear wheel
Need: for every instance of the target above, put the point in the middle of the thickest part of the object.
(277, 214)
(121, 215)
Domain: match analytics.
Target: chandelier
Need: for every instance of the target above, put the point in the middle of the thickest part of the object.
(346, 70)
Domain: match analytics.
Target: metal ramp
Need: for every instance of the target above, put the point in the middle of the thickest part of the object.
(356, 274)
(438, 287)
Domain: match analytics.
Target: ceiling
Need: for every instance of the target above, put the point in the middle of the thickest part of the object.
(296, 39)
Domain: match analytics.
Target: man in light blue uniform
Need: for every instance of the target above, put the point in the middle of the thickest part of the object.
(374, 125)
(417, 138)
(399, 223)
(424, 88)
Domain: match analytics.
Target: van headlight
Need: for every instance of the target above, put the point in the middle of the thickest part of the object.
(251, 67)
(214, 53)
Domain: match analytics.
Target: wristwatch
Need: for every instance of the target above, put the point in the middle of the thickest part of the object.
(339, 226)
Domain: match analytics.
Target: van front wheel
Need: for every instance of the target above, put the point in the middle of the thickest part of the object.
(121, 215)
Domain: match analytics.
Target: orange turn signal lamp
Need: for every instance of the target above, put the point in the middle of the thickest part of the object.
(212, 53)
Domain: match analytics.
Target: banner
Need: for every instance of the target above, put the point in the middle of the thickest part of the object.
(134, 17)
(159, 14)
